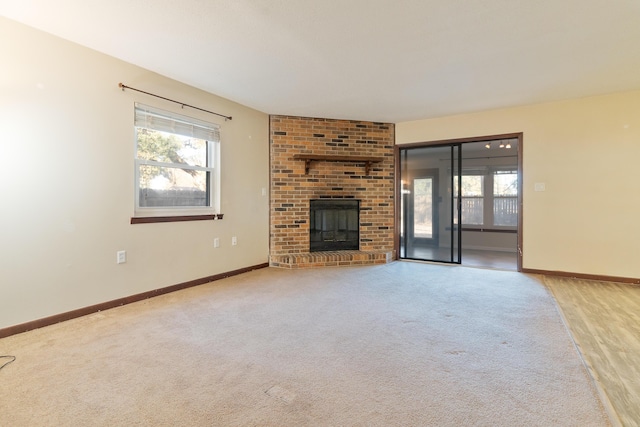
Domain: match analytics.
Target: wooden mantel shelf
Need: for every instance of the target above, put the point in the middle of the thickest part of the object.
(308, 158)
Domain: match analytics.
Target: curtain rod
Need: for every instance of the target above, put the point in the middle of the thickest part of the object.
(123, 87)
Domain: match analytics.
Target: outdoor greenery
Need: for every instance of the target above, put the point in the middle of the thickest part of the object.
(171, 149)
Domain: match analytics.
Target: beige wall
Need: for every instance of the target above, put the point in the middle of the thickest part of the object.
(586, 153)
(66, 182)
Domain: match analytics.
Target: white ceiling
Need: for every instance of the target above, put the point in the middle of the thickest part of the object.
(378, 60)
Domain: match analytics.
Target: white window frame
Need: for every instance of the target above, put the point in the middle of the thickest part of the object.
(152, 118)
(488, 196)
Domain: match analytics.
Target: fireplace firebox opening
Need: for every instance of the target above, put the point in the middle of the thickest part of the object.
(334, 225)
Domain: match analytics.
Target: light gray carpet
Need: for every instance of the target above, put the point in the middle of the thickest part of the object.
(398, 344)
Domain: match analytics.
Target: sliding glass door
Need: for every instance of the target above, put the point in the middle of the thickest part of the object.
(429, 203)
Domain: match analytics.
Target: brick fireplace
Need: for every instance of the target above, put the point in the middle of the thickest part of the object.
(315, 159)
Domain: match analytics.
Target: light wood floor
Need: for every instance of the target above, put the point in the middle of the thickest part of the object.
(604, 319)
(490, 259)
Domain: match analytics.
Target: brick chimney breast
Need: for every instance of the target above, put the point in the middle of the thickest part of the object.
(292, 187)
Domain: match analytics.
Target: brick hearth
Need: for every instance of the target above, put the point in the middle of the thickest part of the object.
(331, 259)
(292, 188)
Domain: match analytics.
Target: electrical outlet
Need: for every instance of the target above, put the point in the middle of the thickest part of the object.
(264, 191)
(234, 241)
(216, 242)
(121, 257)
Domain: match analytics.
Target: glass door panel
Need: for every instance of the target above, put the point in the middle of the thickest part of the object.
(428, 205)
(423, 217)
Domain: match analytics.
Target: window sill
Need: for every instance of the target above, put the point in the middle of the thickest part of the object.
(155, 219)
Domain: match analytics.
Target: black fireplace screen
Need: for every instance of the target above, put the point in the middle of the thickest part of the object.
(334, 225)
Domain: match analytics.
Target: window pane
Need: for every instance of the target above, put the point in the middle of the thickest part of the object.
(168, 147)
(472, 186)
(505, 184)
(168, 186)
(505, 211)
(472, 199)
(472, 210)
(505, 202)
